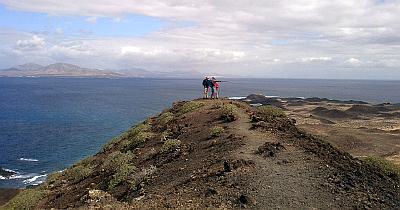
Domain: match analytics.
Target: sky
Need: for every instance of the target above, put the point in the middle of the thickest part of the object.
(329, 39)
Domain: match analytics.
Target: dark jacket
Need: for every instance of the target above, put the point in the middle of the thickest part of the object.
(210, 83)
(205, 83)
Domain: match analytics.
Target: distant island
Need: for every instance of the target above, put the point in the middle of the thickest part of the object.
(70, 70)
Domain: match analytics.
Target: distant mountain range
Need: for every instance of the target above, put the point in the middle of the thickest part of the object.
(55, 70)
(70, 70)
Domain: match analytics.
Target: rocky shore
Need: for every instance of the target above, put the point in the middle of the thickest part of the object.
(6, 173)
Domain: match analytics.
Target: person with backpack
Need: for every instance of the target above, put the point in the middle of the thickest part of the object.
(211, 85)
(206, 87)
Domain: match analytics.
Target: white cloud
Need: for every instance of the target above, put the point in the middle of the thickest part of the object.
(353, 61)
(255, 36)
(315, 59)
(35, 43)
(140, 51)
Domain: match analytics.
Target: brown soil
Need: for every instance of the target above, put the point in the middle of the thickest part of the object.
(366, 109)
(257, 162)
(330, 113)
(369, 130)
(7, 194)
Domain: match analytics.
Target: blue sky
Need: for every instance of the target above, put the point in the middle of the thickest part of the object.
(341, 39)
(128, 25)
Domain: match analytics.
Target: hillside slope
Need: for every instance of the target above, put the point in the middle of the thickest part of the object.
(217, 154)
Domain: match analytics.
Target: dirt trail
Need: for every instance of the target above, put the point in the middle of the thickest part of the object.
(290, 180)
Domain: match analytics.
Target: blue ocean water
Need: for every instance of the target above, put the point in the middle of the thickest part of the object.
(47, 124)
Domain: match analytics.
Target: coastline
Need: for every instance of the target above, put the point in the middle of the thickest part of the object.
(177, 124)
(309, 120)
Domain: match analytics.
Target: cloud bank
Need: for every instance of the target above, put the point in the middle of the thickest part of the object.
(304, 38)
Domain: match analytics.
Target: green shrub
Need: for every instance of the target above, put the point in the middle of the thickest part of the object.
(271, 111)
(26, 199)
(123, 174)
(131, 138)
(86, 161)
(165, 118)
(78, 173)
(189, 107)
(217, 105)
(166, 134)
(135, 136)
(389, 168)
(170, 145)
(216, 131)
(140, 128)
(111, 143)
(54, 178)
(229, 112)
(116, 160)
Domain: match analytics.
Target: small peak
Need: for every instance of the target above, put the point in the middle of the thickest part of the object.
(29, 66)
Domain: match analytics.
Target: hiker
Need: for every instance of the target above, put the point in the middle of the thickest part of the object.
(216, 87)
(211, 85)
(206, 86)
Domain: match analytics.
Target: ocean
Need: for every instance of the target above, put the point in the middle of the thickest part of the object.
(47, 124)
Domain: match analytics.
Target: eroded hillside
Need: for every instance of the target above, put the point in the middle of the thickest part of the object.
(217, 154)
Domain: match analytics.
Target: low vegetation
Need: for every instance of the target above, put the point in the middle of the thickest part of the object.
(189, 107)
(124, 174)
(53, 179)
(390, 169)
(170, 145)
(136, 136)
(229, 112)
(116, 160)
(166, 134)
(77, 173)
(131, 138)
(217, 105)
(27, 199)
(165, 118)
(111, 143)
(270, 111)
(216, 131)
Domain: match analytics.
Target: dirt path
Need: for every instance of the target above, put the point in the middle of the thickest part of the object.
(290, 180)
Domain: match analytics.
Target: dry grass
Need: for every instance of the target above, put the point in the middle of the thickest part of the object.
(26, 199)
(390, 169)
(216, 131)
(165, 118)
(189, 107)
(270, 111)
(77, 173)
(130, 139)
(170, 145)
(229, 112)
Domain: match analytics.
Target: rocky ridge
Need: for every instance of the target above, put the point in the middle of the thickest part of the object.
(217, 154)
